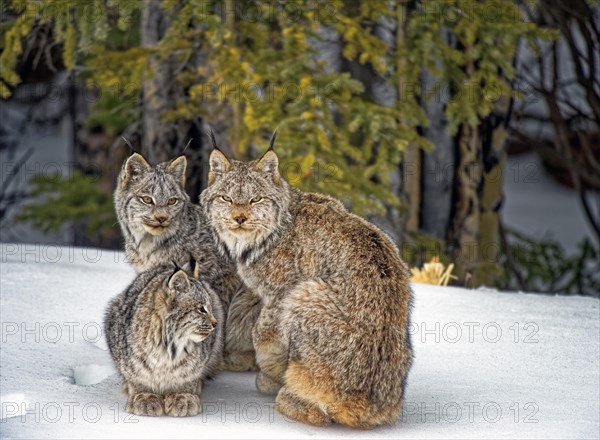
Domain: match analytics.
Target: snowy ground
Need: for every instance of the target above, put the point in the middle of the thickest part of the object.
(488, 364)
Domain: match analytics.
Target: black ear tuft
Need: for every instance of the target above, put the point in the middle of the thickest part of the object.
(213, 139)
(272, 141)
(131, 149)
(186, 146)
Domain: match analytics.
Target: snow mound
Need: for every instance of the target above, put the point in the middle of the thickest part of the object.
(85, 375)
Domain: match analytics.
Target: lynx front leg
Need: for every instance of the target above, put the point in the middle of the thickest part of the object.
(239, 352)
(271, 350)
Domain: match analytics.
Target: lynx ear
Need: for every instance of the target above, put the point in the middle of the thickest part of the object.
(269, 164)
(195, 267)
(179, 282)
(177, 169)
(135, 167)
(219, 165)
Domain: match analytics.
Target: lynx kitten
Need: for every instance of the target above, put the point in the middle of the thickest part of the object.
(165, 335)
(332, 337)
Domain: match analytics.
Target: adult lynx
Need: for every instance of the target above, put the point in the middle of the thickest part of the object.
(332, 338)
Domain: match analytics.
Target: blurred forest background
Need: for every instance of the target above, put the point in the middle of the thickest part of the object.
(411, 112)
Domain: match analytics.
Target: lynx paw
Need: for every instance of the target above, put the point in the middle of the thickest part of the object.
(145, 404)
(266, 385)
(182, 404)
(295, 408)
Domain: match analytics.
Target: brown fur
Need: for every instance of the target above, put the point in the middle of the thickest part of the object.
(332, 337)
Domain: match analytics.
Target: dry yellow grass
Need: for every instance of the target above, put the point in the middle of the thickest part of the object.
(434, 273)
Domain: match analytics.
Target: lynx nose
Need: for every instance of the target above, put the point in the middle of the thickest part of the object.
(161, 218)
(213, 322)
(240, 219)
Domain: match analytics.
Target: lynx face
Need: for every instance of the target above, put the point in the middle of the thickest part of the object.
(189, 314)
(245, 202)
(152, 197)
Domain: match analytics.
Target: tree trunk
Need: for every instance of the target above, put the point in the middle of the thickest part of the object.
(464, 231)
(494, 160)
(235, 128)
(411, 166)
(161, 140)
(411, 191)
(438, 166)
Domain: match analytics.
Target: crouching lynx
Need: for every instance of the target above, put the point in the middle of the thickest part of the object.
(332, 337)
(165, 335)
(160, 225)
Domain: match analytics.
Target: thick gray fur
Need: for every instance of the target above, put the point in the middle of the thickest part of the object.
(165, 333)
(183, 232)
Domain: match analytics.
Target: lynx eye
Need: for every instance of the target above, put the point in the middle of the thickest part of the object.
(256, 200)
(203, 310)
(147, 200)
(172, 201)
(226, 199)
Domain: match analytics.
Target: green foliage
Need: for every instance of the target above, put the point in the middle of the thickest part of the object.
(77, 24)
(545, 267)
(118, 75)
(75, 198)
(12, 44)
(115, 69)
(260, 68)
(476, 67)
(258, 72)
(264, 73)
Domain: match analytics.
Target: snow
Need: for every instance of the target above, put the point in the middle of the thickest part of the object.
(487, 363)
(540, 207)
(92, 374)
(12, 405)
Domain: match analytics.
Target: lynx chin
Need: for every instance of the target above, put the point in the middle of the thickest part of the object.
(332, 339)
